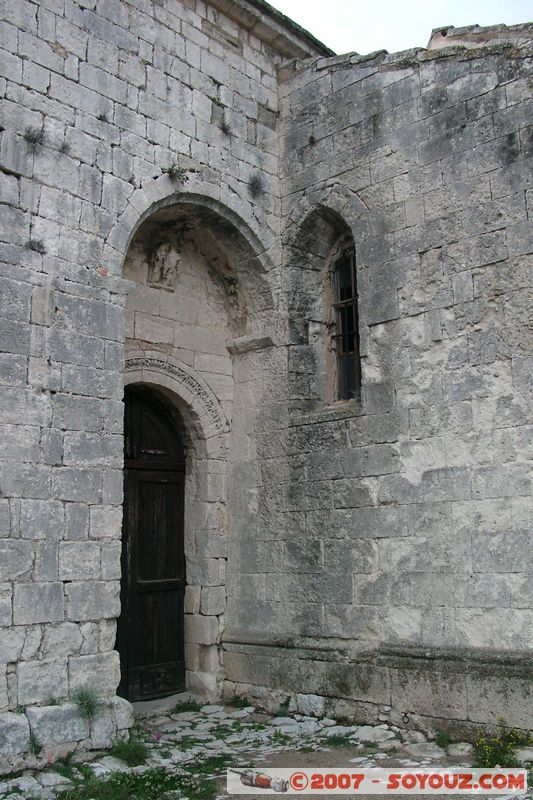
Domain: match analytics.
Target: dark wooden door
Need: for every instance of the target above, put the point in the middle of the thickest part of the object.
(150, 628)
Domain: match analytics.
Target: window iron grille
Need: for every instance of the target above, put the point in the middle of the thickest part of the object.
(346, 336)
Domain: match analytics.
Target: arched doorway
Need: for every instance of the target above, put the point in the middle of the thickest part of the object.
(150, 637)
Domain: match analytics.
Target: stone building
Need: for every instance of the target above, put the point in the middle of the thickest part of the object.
(312, 273)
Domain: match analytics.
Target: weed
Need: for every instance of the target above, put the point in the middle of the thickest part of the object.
(255, 726)
(64, 148)
(256, 185)
(164, 753)
(221, 731)
(20, 710)
(339, 740)
(102, 117)
(86, 699)
(132, 751)
(176, 173)
(34, 745)
(52, 700)
(152, 784)
(279, 738)
(186, 742)
(188, 705)
(369, 745)
(284, 706)
(225, 128)
(442, 738)
(37, 245)
(499, 749)
(210, 765)
(66, 768)
(34, 137)
(239, 702)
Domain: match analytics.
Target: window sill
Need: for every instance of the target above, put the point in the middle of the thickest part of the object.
(337, 410)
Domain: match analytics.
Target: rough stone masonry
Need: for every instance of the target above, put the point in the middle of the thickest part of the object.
(175, 177)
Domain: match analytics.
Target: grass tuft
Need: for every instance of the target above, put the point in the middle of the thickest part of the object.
(176, 173)
(340, 740)
(86, 699)
(188, 705)
(34, 745)
(239, 702)
(34, 137)
(37, 245)
(152, 784)
(442, 738)
(256, 185)
(132, 751)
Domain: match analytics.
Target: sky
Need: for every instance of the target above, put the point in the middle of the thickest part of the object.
(352, 25)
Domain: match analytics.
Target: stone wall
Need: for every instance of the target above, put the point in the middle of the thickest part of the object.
(109, 109)
(401, 521)
(392, 521)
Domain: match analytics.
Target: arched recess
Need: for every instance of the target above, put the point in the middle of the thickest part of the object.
(199, 313)
(316, 227)
(205, 432)
(250, 252)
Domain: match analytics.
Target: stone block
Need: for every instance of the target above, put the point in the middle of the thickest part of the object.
(204, 681)
(92, 600)
(77, 413)
(103, 730)
(208, 658)
(38, 680)
(123, 713)
(100, 671)
(45, 567)
(61, 641)
(88, 449)
(77, 485)
(57, 724)
(79, 561)
(105, 522)
(6, 609)
(192, 599)
(432, 692)
(38, 602)
(200, 629)
(110, 560)
(76, 521)
(360, 557)
(16, 559)
(311, 705)
(490, 697)
(4, 699)
(213, 600)
(24, 480)
(14, 734)
(373, 460)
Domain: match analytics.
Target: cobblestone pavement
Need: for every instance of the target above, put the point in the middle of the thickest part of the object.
(196, 746)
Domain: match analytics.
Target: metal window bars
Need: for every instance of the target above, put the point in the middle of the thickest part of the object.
(346, 336)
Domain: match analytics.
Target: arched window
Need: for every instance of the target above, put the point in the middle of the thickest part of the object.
(345, 327)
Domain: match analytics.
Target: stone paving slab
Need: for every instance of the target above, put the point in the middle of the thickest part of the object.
(205, 741)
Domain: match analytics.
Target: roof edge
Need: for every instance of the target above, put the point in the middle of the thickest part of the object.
(274, 28)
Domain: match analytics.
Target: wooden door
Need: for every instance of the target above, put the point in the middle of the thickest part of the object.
(150, 629)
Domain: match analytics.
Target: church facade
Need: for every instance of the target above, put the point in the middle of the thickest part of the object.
(266, 369)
